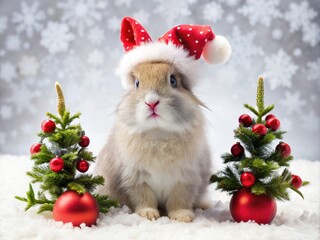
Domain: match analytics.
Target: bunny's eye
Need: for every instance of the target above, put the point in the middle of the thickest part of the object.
(173, 81)
(136, 83)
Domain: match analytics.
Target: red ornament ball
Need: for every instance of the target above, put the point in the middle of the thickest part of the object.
(245, 206)
(284, 149)
(247, 179)
(48, 126)
(237, 150)
(245, 120)
(82, 166)
(56, 164)
(76, 208)
(259, 129)
(270, 116)
(84, 141)
(273, 123)
(35, 148)
(296, 181)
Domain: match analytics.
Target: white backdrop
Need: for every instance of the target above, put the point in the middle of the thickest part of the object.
(76, 42)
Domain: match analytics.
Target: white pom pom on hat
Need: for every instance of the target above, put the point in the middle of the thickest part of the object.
(217, 51)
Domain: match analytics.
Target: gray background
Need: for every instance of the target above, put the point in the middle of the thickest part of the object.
(76, 42)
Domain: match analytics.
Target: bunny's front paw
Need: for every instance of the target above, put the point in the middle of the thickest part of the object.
(148, 213)
(182, 215)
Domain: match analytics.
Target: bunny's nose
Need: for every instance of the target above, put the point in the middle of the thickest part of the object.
(152, 99)
(152, 105)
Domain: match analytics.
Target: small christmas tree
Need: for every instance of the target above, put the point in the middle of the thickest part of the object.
(61, 159)
(252, 171)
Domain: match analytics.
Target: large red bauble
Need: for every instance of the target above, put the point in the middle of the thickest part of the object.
(76, 208)
(48, 126)
(296, 181)
(269, 116)
(56, 164)
(237, 150)
(84, 141)
(82, 166)
(246, 120)
(259, 129)
(35, 148)
(273, 123)
(245, 206)
(284, 149)
(247, 179)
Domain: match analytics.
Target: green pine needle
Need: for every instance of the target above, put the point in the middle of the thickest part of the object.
(79, 188)
(105, 203)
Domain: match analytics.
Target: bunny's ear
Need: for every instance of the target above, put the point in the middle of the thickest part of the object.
(132, 34)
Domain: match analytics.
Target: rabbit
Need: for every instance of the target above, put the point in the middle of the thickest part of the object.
(157, 158)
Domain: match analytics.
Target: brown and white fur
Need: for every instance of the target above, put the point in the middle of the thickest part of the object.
(157, 156)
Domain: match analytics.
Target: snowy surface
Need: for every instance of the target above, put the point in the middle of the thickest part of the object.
(76, 42)
(295, 220)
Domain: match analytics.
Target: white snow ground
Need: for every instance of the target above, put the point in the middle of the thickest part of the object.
(295, 220)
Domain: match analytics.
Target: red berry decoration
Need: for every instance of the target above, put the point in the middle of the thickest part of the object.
(246, 206)
(237, 150)
(296, 181)
(48, 126)
(84, 141)
(245, 120)
(76, 208)
(259, 129)
(273, 123)
(247, 179)
(35, 148)
(284, 149)
(82, 166)
(56, 164)
(269, 116)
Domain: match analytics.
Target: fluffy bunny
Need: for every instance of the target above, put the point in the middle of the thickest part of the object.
(157, 154)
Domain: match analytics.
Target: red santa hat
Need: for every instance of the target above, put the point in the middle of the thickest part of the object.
(182, 45)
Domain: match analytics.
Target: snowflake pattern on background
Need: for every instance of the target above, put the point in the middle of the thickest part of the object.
(29, 19)
(177, 10)
(8, 71)
(260, 11)
(280, 69)
(300, 17)
(311, 34)
(96, 35)
(213, 12)
(244, 48)
(82, 13)
(56, 37)
(26, 96)
(76, 42)
(293, 103)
